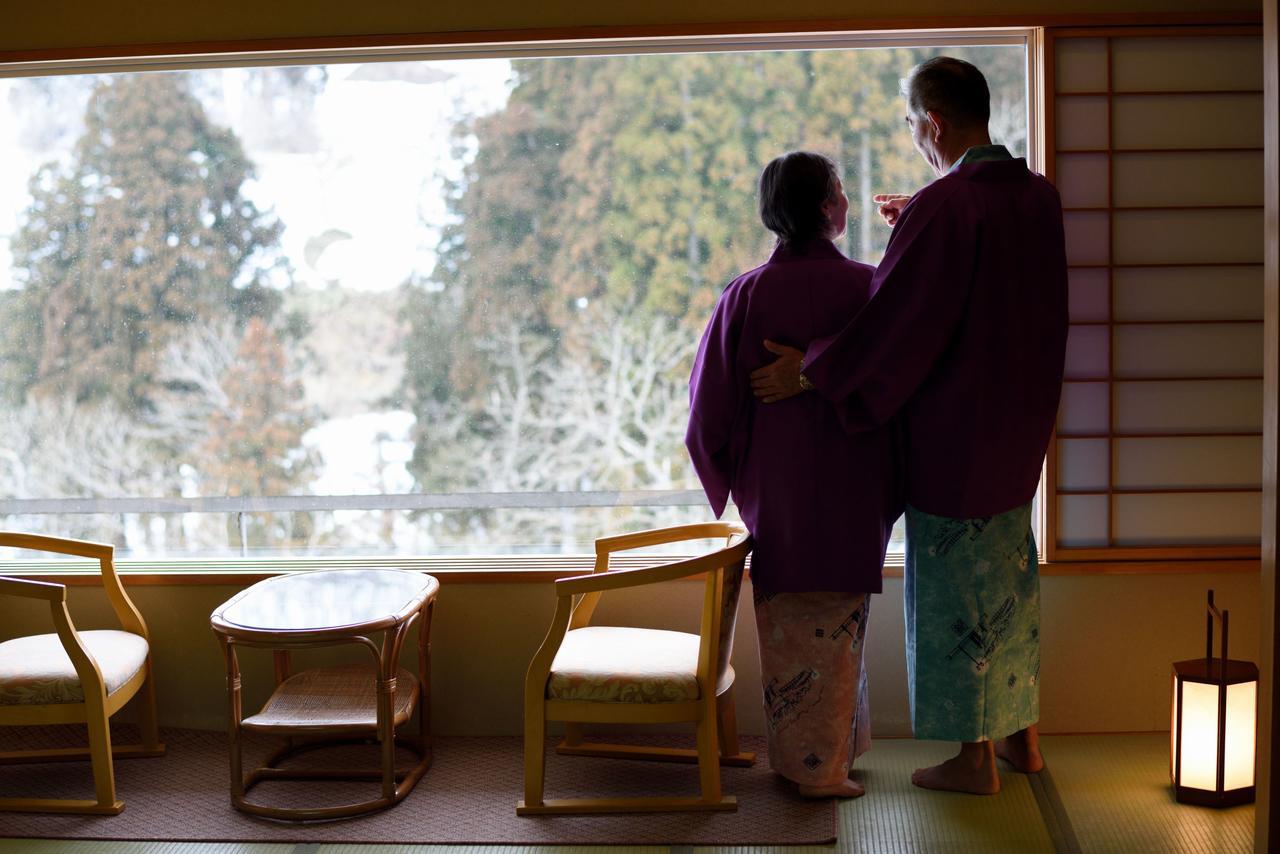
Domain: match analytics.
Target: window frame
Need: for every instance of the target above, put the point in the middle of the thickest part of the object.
(531, 568)
(1205, 555)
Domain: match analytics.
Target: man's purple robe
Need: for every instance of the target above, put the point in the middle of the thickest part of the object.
(965, 339)
(819, 503)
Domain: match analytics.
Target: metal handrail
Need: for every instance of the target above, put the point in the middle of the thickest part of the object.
(395, 501)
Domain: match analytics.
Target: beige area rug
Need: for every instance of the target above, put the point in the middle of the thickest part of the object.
(467, 797)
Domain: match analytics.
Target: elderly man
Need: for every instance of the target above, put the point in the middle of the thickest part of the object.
(963, 342)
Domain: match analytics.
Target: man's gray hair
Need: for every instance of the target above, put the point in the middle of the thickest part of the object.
(952, 88)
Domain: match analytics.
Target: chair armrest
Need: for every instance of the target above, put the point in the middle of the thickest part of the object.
(659, 536)
(30, 589)
(58, 545)
(622, 578)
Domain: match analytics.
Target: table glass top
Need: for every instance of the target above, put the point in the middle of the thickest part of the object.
(326, 599)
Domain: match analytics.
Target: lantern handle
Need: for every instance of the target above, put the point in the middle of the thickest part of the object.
(1223, 617)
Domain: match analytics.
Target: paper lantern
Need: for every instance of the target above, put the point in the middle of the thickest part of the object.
(1214, 727)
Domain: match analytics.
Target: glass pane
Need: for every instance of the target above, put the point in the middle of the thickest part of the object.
(1084, 408)
(1214, 406)
(1081, 180)
(1082, 520)
(1081, 123)
(1188, 121)
(1188, 178)
(1083, 464)
(1087, 349)
(1087, 294)
(1087, 236)
(1188, 293)
(1189, 351)
(1188, 518)
(1191, 462)
(1188, 237)
(1181, 64)
(1080, 65)
(384, 283)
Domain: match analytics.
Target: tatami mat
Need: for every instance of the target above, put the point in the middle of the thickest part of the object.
(1112, 790)
(1116, 793)
(502, 849)
(895, 816)
(67, 846)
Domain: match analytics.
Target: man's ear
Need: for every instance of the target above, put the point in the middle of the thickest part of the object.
(937, 125)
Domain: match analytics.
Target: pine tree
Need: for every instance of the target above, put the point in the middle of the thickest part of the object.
(255, 442)
(148, 231)
(611, 192)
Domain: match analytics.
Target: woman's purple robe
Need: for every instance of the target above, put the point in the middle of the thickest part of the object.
(819, 502)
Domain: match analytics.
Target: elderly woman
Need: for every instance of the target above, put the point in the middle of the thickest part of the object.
(819, 503)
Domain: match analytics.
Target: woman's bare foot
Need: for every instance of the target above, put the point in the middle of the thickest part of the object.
(972, 770)
(1022, 750)
(843, 789)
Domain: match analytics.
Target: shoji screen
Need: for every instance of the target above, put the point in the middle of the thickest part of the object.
(1155, 143)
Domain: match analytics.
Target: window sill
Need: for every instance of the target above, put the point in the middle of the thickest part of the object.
(495, 569)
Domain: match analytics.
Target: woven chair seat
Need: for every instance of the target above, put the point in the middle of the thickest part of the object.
(617, 664)
(331, 699)
(36, 670)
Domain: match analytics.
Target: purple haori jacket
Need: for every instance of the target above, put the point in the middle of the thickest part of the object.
(819, 503)
(965, 339)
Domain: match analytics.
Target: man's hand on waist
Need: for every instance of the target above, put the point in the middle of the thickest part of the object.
(782, 378)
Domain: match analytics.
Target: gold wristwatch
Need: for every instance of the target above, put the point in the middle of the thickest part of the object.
(804, 381)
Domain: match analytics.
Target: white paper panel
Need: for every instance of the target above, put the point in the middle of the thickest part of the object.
(1188, 518)
(1187, 293)
(1181, 64)
(1087, 237)
(1082, 520)
(1185, 178)
(1084, 408)
(1087, 296)
(1226, 406)
(1081, 65)
(1081, 123)
(1083, 464)
(1081, 180)
(1187, 121)
(1188, 237)
(1193, 461)
(1087, 352)
(1229, 349)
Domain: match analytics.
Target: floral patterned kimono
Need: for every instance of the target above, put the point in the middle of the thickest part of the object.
(820, 503)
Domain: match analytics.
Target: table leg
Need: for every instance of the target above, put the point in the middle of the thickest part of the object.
(283, 664)
(234, 715)
(388, 665)
(424, 675)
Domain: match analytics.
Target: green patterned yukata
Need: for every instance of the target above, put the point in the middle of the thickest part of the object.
(972, 603)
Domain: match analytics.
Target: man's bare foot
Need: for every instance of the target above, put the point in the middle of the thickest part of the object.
(1022, 750)
(972, 770)
(843, 789)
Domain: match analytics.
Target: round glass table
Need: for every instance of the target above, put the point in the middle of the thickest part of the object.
(328, 705)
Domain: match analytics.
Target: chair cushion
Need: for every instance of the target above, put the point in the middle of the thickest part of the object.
(36, 670)
(613, 664)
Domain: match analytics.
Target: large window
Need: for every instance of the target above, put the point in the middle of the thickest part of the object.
(422, 306)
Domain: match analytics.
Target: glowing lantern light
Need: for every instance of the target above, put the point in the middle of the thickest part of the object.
(1212, 737)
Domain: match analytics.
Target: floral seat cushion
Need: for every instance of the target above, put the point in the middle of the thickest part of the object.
(36, 670)
(613, 664)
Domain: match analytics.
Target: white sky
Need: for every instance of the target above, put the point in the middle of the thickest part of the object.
(384, 147)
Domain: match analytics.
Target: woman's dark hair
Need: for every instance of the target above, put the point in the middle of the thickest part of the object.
(792, 190)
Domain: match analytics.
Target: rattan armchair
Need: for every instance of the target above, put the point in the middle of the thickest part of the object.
(74, 676)
(606, 674)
